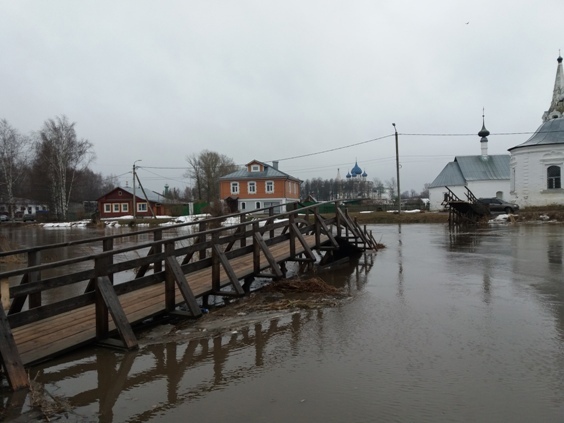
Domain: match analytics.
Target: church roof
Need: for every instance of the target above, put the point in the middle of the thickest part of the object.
(552, 129)
(267, 173)
(550, 132)
(465, 169)
(356, 170)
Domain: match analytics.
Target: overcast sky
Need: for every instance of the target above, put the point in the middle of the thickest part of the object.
(159, 80)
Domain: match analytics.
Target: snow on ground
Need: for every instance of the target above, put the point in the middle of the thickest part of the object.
(405, 211)
(502, 218)
(65, 225)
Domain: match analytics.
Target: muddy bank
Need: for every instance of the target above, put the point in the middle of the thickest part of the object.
(270, 302)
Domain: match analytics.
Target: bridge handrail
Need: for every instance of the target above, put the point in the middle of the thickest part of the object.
(114, 251)
(165, 228)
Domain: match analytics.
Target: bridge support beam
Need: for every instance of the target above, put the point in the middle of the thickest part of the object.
(174, 274)
(107, 300)
(10, 357)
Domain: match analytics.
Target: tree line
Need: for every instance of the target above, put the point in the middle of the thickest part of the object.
(50, 166)
(332, 189)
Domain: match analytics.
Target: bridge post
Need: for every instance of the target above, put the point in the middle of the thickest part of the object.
(9, 356)
(34, 259)
(5, 294)
(201, 238)
(271, 213)
(338, 217)
(157, 249)
(291, 219)
(256, 248)
(215, 264)
(317, 227)
(242, 219)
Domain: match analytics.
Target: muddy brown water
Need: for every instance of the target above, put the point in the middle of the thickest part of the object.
(438, 328)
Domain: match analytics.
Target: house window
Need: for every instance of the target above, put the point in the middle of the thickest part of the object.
(257, 205)
(269, 187)
(107, 208)
(255, 168)
(234, 187)
(116, 207)
(141, 207)
(252, 187)
(553, 177)
(243, 206)
(124, 207)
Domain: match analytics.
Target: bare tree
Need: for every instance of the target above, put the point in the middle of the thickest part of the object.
(425, 192)
(14, 156)
(379, 188)
(62, 155)
(391, 186)
(206, 168)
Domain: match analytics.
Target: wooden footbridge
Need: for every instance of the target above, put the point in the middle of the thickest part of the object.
(108, 284)
(464, 213)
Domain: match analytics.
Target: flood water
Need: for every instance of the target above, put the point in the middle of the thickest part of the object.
(440, 328)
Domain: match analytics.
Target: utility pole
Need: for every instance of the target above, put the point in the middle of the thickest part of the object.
(134, 198)
(397, 168)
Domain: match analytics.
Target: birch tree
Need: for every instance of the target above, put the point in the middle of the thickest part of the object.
(63, 155)
(14, 156)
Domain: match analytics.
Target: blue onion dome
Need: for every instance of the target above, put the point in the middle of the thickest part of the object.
(348, 175)
(355, 171)
(559, 59)
(364, 174)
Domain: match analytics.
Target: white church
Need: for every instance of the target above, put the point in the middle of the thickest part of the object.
(536, 165)
(529, 176)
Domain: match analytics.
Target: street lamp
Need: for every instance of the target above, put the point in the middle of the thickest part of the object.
(134, 198)
(397, 169)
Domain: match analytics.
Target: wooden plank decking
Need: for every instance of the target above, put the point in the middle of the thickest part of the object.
(68, 330)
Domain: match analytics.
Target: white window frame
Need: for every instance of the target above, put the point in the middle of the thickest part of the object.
(553, 180)
(267, 189)
(243, 205)
(107, 208)
(142, 207)
(234, 187)
(257, 205)
(252, 184)
(115, 207)
(125, 207)
(255, 168)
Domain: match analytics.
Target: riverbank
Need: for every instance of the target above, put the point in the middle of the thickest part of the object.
(530, 214)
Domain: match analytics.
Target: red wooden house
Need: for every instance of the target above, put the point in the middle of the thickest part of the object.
(119, 202)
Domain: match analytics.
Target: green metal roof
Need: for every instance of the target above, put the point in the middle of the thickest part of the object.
(473, 168)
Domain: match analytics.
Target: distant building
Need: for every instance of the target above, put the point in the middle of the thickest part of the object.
(536, 165)
(119, 202)
(258, 185)
(355, 183)
(485, 175)
(22, 206)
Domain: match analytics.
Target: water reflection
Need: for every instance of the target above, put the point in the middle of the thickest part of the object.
(106, 380)
(441, 328)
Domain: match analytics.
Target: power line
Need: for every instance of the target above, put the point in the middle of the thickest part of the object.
(408, 134)
(333, 149)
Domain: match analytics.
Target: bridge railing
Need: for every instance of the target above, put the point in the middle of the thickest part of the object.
(100, 256)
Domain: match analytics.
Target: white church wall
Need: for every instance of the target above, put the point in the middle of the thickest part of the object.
(529, 171)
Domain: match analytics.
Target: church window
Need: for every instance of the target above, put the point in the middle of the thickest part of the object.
(553, 177)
